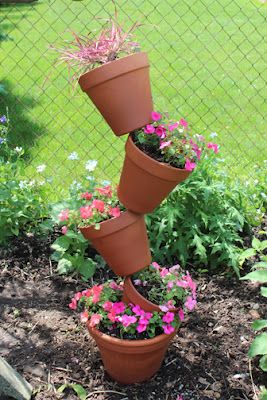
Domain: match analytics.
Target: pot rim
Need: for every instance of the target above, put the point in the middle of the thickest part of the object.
(152, 166)
(112, 69)
(111, 225)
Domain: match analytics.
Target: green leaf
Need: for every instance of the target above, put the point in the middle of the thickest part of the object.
(80, 391)
(61, 244)
(64, 266)
(15, 230)
(62, 388)
(263, 245)
(261, 264)
(256, 276)
(259, 324)
(256, 244)
(263, 394)
(245, 255)
(258, 346)
(264, 291)
(87, 269)
(263, 363)
(200, 249)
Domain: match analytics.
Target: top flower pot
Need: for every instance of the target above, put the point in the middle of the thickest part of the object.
(121, 91)
(145, 182)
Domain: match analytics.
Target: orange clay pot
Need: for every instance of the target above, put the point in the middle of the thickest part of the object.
(131, 295)
(122, 242)
(145, 182)
(121, 91)
(131, 361)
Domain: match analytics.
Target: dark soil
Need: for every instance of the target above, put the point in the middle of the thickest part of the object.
(42, 338)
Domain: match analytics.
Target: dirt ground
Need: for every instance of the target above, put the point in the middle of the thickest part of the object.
(44, 341)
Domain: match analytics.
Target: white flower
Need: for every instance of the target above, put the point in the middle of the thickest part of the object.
(32, 183)
(106, 183)
(181, 130)
(18, 149)
(22, 184)
(90, 178)
(73, 156)
(213, 134)
(41, 168)
(75, 185)
(91, 165)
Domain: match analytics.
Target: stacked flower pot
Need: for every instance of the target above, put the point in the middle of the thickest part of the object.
(121, 91)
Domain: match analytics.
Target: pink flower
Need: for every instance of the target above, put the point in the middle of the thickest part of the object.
(213, 146)
(155, 116)
(87, 292)
(170, 285)
(164, 144)
(96, 290)
(180, 397)
(200, 138)
(115, 212)
(95, 319)
(191, 284)
(161, 131)
(105, 191)
(183, 284)
(73, 304)
(112, 316)
(174, 268)
(168, 317)
(164, 272)
(107, 306)
(99, 205)
(173, 126)
(64, 229)
(63, 215)
(149, 129)
(138, 310)
(156, 266)
(86, 196)
(181, 314)
(113, 285)
(137, 282)
(142, 324)
(78, 295)
(127, 320)
(189, 166)
(164, 307)
(190, 303)
(86, 212)
(118, 307)
(168, 329)
(141, 328)
(183, 122)
(84, 316)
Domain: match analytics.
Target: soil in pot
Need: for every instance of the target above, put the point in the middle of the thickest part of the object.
(145, 182)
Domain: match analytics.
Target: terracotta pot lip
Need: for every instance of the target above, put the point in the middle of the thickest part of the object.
(112, 69)
(128, 281)
(111, 225)
(150, 165)
(130, 343)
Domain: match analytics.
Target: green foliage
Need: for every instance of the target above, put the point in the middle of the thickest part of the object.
(78, 389)
(257, 248)
(201, 221)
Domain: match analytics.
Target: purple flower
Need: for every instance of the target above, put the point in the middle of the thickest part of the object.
(2, 140)
(3, 119)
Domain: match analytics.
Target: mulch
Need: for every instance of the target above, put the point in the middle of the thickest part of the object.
(45, 342)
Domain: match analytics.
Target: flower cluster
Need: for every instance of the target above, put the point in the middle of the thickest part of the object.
(101, 307)
(170, 288)
(91, 208)
(171, 142)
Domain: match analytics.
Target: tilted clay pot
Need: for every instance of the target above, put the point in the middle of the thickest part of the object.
(131, 295)
(145, 182)
(121, 91)
(122, 242)
(131, 361)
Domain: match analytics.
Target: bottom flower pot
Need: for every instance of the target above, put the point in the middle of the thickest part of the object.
(122, 242)
(131, 361)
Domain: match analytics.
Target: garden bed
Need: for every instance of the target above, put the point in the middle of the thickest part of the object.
(40, 337)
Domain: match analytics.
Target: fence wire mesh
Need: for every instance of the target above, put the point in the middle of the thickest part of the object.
(208, 65)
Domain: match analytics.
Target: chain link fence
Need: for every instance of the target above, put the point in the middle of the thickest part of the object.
(208, 65)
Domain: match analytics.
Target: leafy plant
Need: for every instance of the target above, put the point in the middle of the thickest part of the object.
(257, 248)
(200, 222)
(77, 388)
(171, 142)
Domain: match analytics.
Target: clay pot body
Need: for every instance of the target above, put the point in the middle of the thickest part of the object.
(131, 361)
(121, 92)
(145, 182)
(131, 295)
(122, 242)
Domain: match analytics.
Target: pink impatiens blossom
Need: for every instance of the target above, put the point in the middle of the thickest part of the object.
(115, 212)
(183, 122)
(87, 292)
(105, 191)
(183, 283)
(86, 196)
(164, 307)
(180, 397)
(78, 296)
(64, 229)
(112, 316)
(155, 116)
(213, 146)
(168, 329)
(137, 310)
(189, 166)
(170, 284)
(174, 268)
(107, 306)
(113, 285)
(161, 131)
(164, 144)
(149, 129)
(137, 282)
(142, 324)
(168, 317)
(156, 265)
(164, 272)
(118, 307)
(63, 215)
(84, 316)
(96, 290)
(173, 126)
(99, 205)
(95, 319)
(73, 304)
(181, 314)
(86, 212)
(190, 303)
(127, 320)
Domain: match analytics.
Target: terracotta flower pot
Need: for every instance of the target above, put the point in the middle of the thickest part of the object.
(131, 361)
(122, 242)
(121, 91)
(145, 182)
(131, 295)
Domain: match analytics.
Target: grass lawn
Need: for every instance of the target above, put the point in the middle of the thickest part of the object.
(208, 65)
